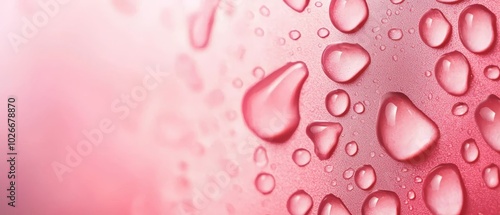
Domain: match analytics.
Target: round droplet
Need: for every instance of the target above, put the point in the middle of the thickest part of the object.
(365, 177)
(488, 123)
(343, 62)
(395, 34)
(325, 136)
(348, 173)
(397, 1)
(337, 102)
(323, 32)
(469, 151)
(477, 28)
(460, 109)
(318, 4)
(348, 15)
(449, 1)
(404, 131)
(301, 157)
(332, 205)
(264, 11)
(297, 5)
(260, 157)
(490, 176)
(299, 203)
(258, 73)
(443, 190)
(294, 34)
(328, 168)
(381, 202)
(351, 148)
(492, 72)
(452, 72)
(434, 28)
(359, 108)
(265, 183)
(411, 195)
(271, 107)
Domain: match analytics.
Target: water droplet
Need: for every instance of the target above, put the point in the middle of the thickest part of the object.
(452, 72)
(328, 168)
(384, 20)
(418, 179)
(365, 177)
(397, 1)
(259, 32)
(294, 34)
(395, 34)
(488, 123)
(470, 151)
(411, 30)
(359, 108)
(351, 148)
(297, 5)
(258, 73)
(428, 73)
(490, 176)
(449, 1)
(337, 102)
(492, 72)
(281, 41)
(237, 83)
(460, 109)
(318, 4)
(260, 157)
(323, 32)
(301, 157)
(350, 187)
(343, 62)
(264, 11)
(265, 183)
(325, 136)
(381, 202)
(403, 129)
(477, 28)
(271, 107)
(200, 25)
(388, 12)
(411, 195)
(382, 48)
(299, 203)
(434, 28)
(348, 173)
(372, 154)
(348, 15)
(395, 58)
(332, 205)
(443, 190)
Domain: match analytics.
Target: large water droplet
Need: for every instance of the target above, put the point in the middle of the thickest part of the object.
(351, 148)
(459, 109)
(490, 176)
(270, 107)
(332, 205)
(395, 34)
(265, 183)
(260, 157)
(200, 24)
(477, 28)
(452, 72)
(344, 61)
(365, 177)
(301, 157)
(492, 72)
(299, 203)
(348, 15)
(403, 129)
(337, 102)
(325, 136)
(434, 28)
(297, 5)
(443, 190)
(381, 202)
(488, 123)
(469, 151)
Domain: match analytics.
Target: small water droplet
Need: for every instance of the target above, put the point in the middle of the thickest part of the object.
(411, 30)
(348, 15)
(418, 179)
(395, 58)
(260, 157)
(382, 48)
(428, 73)
(325, 136)
(337, 102)
(443, 190)
(395, 34)
(297, 5)
(237, 83)
(434, 28)
(343, 62)
(348, 173)
(294, 34)
(372, 154)
(318, 4)
(488, 123)
(351, 148)
(460, 109)
(359, 108)
(381, 202)
(470, 151)
(332, 205)
(265, 183)
(365, 177)
(281, 41)
(264, 11)
(301, 157)
(384, 20)
(323, 32)
(258, 72)
(477, 28)
(388, 12)
(350, 187)
(491, 176)
(492, 72)
(299, 203)
(328, 168)
(452, 72)
(411, 195)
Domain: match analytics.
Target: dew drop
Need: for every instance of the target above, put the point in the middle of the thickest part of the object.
(343, 62)
(460, 109)
(301, 157)
(492, 72)
(325, 136)
(351, 148)
(359, 108)
(395, 34)
(297, 5)
(323, 32)
(381, 202)
(411, 195)
(490, 176)
(337, 102)
(477, 28)
(453, 74)
(488, 123)
(469, 151)
(348, 15)
(264, 11)
(332, 205)
(365, 177)
(294, 34)
(443, 190)
(265, 183)
(260, 157)
(434, 28)
(299, 203)
(348, 173)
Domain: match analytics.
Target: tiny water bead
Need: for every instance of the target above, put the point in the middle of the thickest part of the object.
(492, 72)
(381, 202)
(487, 122)
(350, 187)
(359, 108)
(469, 151)
(328, 168)
(325, 136)
(351, 148)
(265, 183)
(260, 157)
(434, 28)
(297, 5)
(348, 15)
(299, 203)
(323, 32)
(443, 190)
(348, 173)
(411, 195)
(453, 73)
(460, 109)
(395, 34)
(264, 11)
(491, 176)
(343, 62)
(365, 177)
(294, 34)
(337, 102)
(477, 28)
(332, 205)
(301, 157)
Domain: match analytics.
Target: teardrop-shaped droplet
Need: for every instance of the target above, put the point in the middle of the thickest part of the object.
(443, 190)
(271, 107)
(395, 34)
(492, 72)
(452, 72)
(449, 1)
(264, 182)
(325, 136)
(477, 28)
(337, 102)
(488, 123)
(459, 109)
(351, 148)
(434, 28)
(365, 177)
(260, 157)
(491, 176)
(200, 24)
(299, 203)
(469, 151)
(348, 15)
(403, 129)
(344, 61)
(297, 5)
(381, 202)
(301, 157)
(332, 205)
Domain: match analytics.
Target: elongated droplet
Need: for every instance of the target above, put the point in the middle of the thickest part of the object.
(200, 24)
(351, 148)
(348, 15)
(492, 72)
(301, 157)
(490, 176)
(449, 1)
(270, 107)
(452, 72)
(469, 151)
(459, 109)
(260, 157)
(337, 102)
(434, 28)
(381, 202)
(403, 129)
(325, 136)
(332, 205)
(297, 5)
(344, 61)
(365, 177)
(299, 203)
(443, 190)
(488, 123)
(265, 183)
(477, 28)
